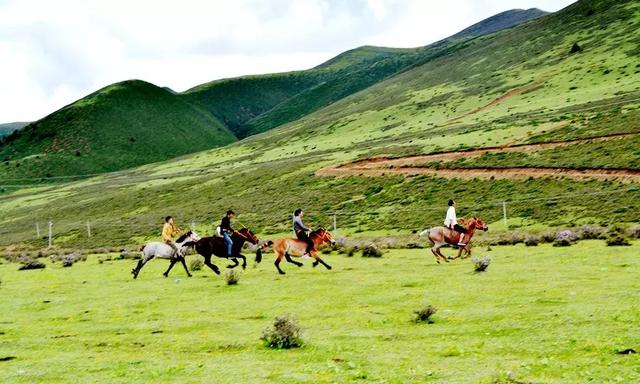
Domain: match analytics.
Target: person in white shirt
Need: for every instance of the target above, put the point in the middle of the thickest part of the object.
(451, 222)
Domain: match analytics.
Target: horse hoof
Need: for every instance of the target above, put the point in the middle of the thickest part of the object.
(189, 275)
(165, 275)
(329, 267)
(282, 272)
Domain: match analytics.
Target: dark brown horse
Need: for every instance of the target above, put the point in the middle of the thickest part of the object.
(208, 246)
(439, 236)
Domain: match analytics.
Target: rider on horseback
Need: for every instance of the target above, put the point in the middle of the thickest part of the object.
(169, 230)
(227, 231)
(451, 222)
(301, 230)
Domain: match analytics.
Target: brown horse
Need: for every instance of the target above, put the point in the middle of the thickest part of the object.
(295, 247)
(439, 236)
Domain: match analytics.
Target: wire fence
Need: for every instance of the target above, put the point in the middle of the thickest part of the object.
(44, 232)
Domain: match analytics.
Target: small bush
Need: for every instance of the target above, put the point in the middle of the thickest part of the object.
(565, 238)
(371, 250)
(531, 241)
(616, 237)
(424, 314)
(547, 237)
(588, 232)
(285, 334)
(31, 264)
(634, 232)
(72, 258)
(196, 264)
(481, 264)
(232, 276)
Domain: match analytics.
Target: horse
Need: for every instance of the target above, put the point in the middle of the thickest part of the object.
(439, 236)
(215, 245)
(162, 250)
(294, 247)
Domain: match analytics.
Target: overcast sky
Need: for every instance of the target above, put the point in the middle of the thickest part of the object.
(54, 52)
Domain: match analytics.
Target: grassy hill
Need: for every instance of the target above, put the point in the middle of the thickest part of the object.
(255, 104)
(8, 128)
(524, 85)
(120, 126)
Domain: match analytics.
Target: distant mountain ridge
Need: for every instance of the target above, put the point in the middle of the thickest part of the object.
(104, 131)
(8, 128)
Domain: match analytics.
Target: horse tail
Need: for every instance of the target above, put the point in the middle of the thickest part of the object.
(259, 251)
(425, 232)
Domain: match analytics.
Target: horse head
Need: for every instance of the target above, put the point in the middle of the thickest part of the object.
(249, 236)
(324, 236)
(479, 224)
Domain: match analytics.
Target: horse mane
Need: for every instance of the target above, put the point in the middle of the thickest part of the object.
(183, 237)
(316, 232)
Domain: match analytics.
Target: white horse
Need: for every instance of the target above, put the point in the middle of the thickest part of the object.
(162, 250)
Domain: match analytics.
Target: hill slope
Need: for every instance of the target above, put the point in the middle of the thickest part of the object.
(509, 89)
(120, 126)
(8, 128)
(250, 105)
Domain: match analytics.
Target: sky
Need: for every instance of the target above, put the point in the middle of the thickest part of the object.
(55, 52)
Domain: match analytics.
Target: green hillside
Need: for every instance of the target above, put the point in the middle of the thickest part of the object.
(8, 128)
(255, 104)
(120, 126)
(525, 85)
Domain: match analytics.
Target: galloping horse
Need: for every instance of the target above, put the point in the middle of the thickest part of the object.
(439, 236)
(163, 251)
(295, 247)
(208, 246)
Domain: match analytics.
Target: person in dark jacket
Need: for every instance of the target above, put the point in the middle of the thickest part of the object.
(227, 231)
(301, 230)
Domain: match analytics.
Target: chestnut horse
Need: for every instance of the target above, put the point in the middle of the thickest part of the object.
(295, 247)
(216, 246)
(439, 236)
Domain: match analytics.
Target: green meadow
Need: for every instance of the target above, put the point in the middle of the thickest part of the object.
(537, 315)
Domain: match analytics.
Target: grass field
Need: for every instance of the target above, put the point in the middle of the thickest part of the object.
(538, 315)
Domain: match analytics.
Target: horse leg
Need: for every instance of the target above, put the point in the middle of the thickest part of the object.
(287, 256)
(277, 264)
(439, 252)
(433, 250)
(138, 267)
(319, 260)
(236, 263)
(184, 264)
(208, 263)
(244, 261)
(173, 262)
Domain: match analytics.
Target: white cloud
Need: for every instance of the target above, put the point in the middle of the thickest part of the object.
(54, 52)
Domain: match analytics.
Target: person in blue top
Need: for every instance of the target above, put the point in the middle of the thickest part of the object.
(227, 231)
(301, 230)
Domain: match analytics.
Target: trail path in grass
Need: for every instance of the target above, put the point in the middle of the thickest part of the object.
(419, 164)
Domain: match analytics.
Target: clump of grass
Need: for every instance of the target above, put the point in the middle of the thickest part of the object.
(531, 241)
(634, 232)
(547, 237)
(196, 264)
(589, 232)
(616, 237)
(72, 258)
(423, 315)
(284, 334)
(481, 264)
(232, 277)
(31, 264)
(565, 238)
(371, 250)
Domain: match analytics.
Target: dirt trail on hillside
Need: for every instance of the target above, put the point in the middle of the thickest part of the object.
(413, 165)
(512, 93)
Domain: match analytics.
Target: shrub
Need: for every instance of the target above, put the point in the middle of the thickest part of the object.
(634, 232)
(31, 264)
(531, 241)
(547, 237)
(564, 238)
(517, 237)
(285, 333)
(616, 237)
(481, 264)
(371, 250)
(232, 276)
(424, 314)
(196, 264)
(72, 258)
(589, 232)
